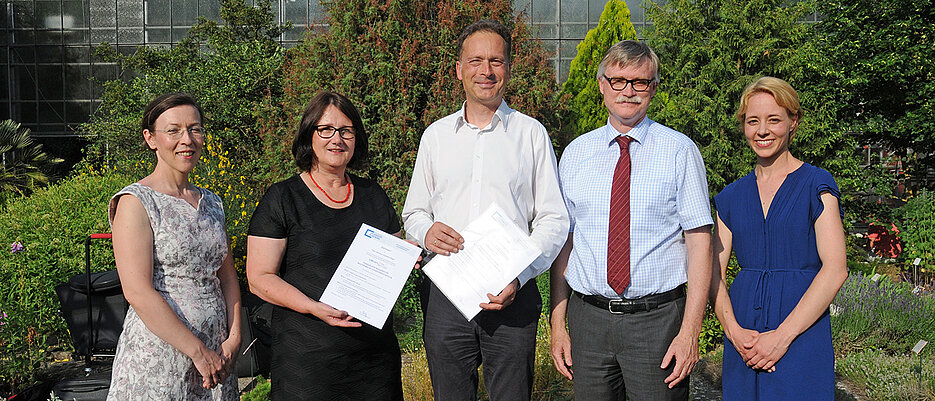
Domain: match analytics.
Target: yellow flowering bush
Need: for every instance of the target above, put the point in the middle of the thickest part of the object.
(216, 173)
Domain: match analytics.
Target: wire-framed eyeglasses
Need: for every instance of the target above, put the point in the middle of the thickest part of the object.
(176, 133)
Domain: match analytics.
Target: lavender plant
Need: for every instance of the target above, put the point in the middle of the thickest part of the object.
(881, 315)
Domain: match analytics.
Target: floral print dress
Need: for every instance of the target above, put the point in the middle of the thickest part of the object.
(189, 244)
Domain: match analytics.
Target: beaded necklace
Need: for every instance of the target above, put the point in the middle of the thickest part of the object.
(346, 197)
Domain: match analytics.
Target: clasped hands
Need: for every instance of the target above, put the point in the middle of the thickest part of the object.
(444, 240)
(216, 366)
(760, 351)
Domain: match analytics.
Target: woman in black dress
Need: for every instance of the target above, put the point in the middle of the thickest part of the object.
(298, 235)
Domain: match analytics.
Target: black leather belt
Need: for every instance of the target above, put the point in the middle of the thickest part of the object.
(643, 304)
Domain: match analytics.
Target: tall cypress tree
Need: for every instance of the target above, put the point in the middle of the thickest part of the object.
(587, 110)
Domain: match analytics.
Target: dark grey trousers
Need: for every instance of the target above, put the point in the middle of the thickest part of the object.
(504, 341)
(618, 356)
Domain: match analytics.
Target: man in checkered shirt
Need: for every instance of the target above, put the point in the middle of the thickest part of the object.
(640, 230)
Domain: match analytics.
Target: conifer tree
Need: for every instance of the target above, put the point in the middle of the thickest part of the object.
(710, 50)
(587, 110)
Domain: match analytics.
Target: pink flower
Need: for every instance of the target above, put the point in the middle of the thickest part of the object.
(17, 247)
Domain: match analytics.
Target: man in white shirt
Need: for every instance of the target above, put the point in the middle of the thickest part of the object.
(483, 154)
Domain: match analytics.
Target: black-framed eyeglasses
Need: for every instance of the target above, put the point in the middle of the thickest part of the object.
(176, 133)
(619, 84)
(327, 131)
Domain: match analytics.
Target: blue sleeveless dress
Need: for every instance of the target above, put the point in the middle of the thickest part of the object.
(778, 259)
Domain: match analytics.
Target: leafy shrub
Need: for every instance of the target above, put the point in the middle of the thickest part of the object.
(230, 69)
(888, 377)
(882, 315)
(712, 333)
(217, 173)
(918, 230)
(587, 104)
(51, 226)
(260, 392)
(233, 70)
(883, 91)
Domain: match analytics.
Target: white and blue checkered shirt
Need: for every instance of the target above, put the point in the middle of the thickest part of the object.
(668, 194)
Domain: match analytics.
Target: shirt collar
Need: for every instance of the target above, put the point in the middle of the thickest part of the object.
(499, 116)
(638, 133)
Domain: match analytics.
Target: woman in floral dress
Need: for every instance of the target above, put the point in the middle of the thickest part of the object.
(181, 335)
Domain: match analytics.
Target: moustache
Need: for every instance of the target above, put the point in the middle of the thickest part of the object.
(629, 99)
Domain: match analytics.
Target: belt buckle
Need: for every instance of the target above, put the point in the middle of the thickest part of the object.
(622, 303)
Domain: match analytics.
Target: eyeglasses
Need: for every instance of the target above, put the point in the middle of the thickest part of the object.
(619, 84)
(176, 133)
(327, 131)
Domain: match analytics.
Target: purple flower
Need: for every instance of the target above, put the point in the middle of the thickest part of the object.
(1, 318)
(16, 247)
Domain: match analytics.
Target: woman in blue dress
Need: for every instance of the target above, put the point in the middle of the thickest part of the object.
(783, 222)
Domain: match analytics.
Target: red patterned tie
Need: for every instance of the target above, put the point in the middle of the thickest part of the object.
(618, 228)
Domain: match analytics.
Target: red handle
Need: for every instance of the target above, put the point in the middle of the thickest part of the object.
(102, 236)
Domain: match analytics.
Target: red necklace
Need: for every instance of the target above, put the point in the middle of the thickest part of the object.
(346, 197)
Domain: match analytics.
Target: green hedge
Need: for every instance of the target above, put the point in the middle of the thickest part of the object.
(51, 225)
(917, 228)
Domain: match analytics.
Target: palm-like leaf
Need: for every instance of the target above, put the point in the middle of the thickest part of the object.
(22, 160)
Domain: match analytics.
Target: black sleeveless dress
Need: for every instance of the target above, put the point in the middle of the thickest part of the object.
(310, 359)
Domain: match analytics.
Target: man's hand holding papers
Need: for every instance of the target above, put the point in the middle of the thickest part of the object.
(494, 252)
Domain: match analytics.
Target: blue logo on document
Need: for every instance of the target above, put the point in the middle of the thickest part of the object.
(370, 234)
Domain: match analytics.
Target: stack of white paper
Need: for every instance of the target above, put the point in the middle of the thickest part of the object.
(495, 252)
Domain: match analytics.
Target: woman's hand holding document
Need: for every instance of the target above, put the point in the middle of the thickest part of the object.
(495, 252)
(371, 275)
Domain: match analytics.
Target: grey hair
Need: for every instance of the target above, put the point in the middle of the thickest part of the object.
(626, 53)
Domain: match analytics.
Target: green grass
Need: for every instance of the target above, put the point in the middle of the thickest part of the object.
(889, 377)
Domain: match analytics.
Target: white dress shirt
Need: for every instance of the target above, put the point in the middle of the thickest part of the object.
(461, 169)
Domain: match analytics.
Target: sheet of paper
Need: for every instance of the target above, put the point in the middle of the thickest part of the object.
(495, 252)
(371, 275)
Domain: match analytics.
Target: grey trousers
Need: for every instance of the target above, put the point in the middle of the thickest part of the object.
(504, 341)
(617, 357)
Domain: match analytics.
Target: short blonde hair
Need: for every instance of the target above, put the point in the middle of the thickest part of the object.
(781, 91)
